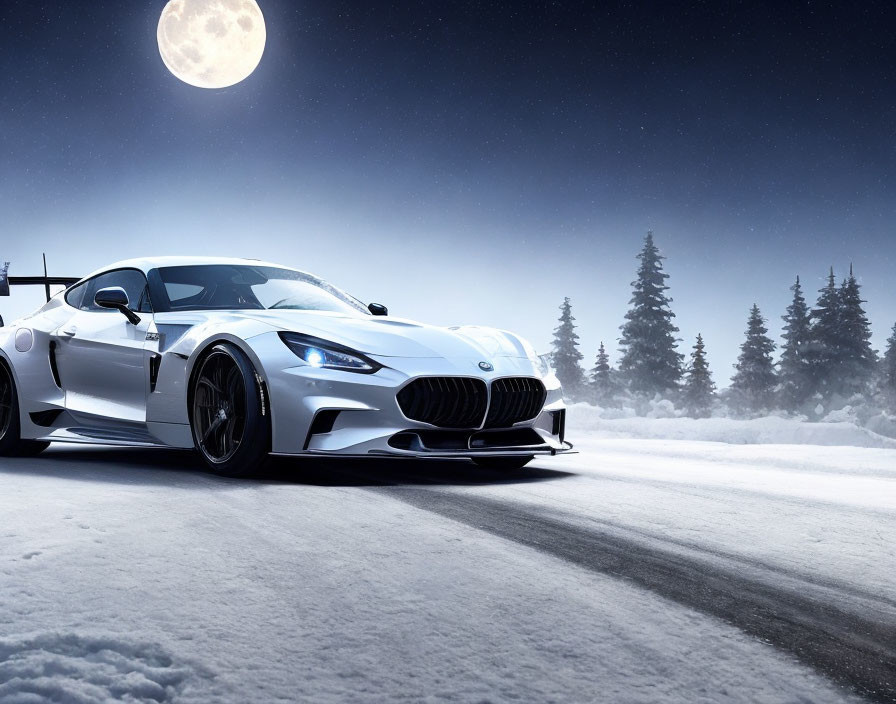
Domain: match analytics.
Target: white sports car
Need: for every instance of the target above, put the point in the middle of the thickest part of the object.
(241, 359)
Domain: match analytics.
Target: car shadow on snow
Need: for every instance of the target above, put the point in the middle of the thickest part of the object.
(400, 471)
(184, 469)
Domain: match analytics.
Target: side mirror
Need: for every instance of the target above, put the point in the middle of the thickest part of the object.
(378, 309)
(115, 298)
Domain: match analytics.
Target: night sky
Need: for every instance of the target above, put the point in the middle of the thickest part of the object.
(471, 162)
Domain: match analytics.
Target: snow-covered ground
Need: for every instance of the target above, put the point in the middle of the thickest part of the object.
(137, 577)
(664, 422)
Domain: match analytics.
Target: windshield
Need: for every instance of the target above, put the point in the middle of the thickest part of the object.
(246, 287)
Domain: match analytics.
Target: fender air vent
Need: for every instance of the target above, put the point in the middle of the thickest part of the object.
(54, 369)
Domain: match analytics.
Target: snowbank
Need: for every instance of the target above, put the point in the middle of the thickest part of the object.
(766, 430)
(75, 668)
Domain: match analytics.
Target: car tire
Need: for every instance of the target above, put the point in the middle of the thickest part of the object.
(11, 442)
(228, 416)
(504, 464)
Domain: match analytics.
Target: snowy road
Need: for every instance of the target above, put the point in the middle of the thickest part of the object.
(636, 571)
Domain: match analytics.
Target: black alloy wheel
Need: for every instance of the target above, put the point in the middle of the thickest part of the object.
(229, 423)
(6, 393)
(11, 443)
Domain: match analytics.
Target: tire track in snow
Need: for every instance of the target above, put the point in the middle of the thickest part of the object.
(772, 570)
(850, 648)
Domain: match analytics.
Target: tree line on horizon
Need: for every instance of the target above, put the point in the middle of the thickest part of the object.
(826, 359)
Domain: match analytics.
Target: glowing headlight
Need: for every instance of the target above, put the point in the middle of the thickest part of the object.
(543, 363)
(328, 355)
(315, 358)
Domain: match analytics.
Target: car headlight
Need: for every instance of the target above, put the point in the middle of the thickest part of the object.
(328, 355)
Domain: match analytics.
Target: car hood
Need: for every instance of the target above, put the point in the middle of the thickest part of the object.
(396, 337)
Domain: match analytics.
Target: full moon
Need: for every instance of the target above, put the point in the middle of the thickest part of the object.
(211, 43)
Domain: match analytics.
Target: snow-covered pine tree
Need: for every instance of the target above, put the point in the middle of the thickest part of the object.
(857, 359)
(889, 371)
(699, 389)
(565, 357)
(823, 352)
(753, 384)
(795, 380)
(604, 385)
(650, 360)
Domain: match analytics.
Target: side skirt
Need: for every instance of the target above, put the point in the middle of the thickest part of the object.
(83, 428)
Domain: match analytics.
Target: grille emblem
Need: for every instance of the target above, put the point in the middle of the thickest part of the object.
(486, 366)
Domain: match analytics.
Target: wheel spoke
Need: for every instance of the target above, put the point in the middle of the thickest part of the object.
(218, 375)
(212, 428)
(233, 382)
(210, 384)
(225, 438)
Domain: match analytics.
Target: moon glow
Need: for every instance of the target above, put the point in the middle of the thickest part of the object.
(211, 43)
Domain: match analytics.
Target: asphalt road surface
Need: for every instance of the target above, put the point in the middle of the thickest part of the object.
(382, 580)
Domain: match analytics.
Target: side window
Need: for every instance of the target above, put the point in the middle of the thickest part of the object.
(75, 295)
(131, 280)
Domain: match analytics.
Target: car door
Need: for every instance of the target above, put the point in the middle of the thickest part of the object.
(100, 356)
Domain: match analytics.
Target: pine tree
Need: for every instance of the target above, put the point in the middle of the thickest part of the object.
(754, 382)
(566, 356)
(823, 352)
(796, 382)
(857, 359)
(603, 380)
(650, 360)
(699, 389)
(889, 371)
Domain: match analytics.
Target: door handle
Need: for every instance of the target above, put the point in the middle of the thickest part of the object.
(68, 332)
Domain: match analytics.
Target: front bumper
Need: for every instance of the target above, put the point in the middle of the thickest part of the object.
(327, 412)
(356, 433)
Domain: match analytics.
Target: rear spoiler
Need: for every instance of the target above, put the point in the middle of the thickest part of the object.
(43, 281)
(46, 281)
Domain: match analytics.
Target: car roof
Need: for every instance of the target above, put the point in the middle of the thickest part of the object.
(146, 264)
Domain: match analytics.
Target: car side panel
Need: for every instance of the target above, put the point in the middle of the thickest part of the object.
(103, 365)
(30, 367)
